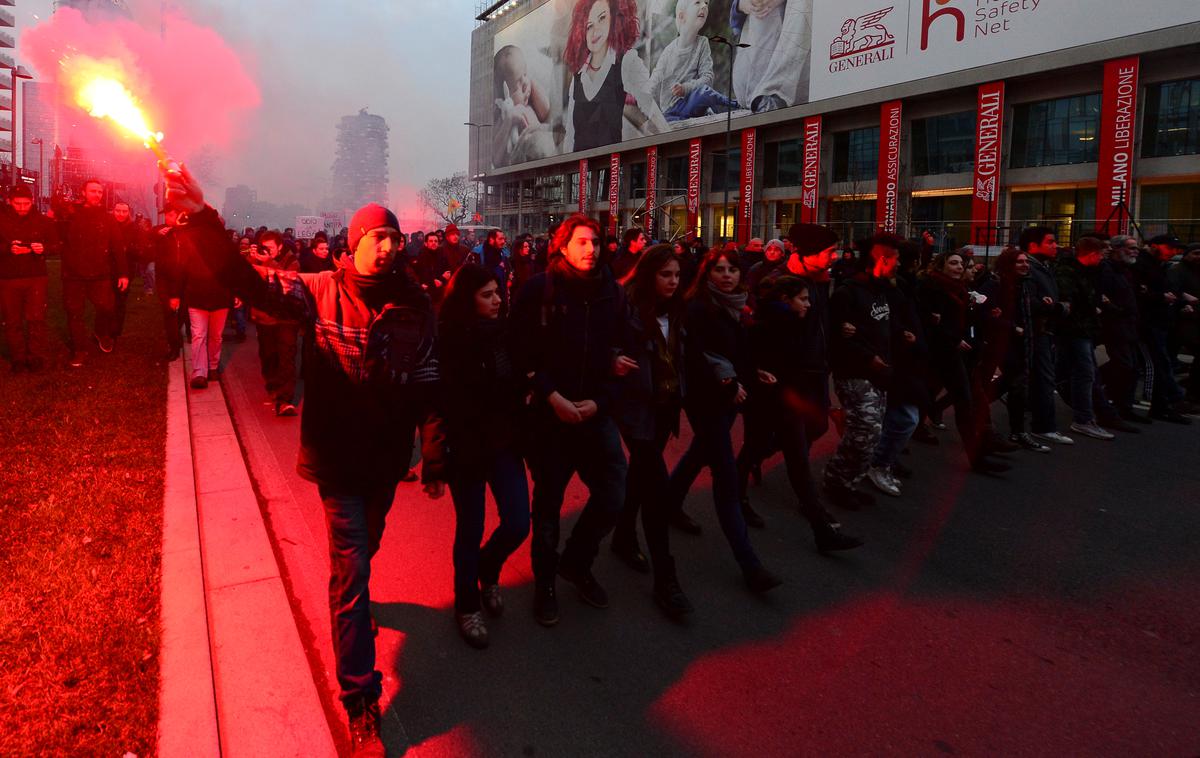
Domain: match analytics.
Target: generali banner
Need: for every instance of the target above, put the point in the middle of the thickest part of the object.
(810, 198)
(1118, 109)
(860, 45)
(693, 186)
(614, 192)
(651, 190)
(746, 196)
(989, 135)
(583, 185)
(888, 197)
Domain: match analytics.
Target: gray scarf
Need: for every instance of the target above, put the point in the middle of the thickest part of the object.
(733, 302)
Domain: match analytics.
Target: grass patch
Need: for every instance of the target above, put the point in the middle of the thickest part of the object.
(81, 489)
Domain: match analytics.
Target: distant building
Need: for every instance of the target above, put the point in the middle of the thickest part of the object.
(239, 207)
(39, 130)
(360, 170)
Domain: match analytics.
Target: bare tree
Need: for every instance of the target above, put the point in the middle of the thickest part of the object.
(448, 198)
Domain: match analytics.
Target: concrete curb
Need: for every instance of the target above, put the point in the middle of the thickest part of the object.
(259, 679)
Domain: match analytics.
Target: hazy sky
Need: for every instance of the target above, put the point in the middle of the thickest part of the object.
(406, 60)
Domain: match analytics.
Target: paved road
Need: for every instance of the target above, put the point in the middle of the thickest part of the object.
(1048, 612)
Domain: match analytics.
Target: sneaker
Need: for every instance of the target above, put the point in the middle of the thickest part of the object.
(77, 359)
(199, 382)
(631, 553)
(997, 444)
(366, 740)
(473, 629)
(883, 481)
(545, 605)
(1026, 441)
(104, 343)
(669, 596)
(1055, 437)
(1093, 430)
(493, 601)
(751, 516)
(761, 581)
(590, 590)
(685, 523)
(285, 409)
(830, 538)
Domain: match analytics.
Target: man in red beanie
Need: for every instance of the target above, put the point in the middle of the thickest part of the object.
(452, 250)
(369, 385)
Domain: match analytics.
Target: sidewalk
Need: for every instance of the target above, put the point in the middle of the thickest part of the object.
(236, 680)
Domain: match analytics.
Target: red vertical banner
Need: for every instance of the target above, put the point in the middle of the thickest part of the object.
(1118, 109)
(887, 200)
(583, 185)
(811, 181)
(693, 185)
(651, 191)
(745, 215)
(614, 192)
(989, 135)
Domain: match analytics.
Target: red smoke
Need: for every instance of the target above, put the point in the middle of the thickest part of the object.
(191, 84)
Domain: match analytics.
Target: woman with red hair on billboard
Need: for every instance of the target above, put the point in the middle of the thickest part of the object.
(606, 71)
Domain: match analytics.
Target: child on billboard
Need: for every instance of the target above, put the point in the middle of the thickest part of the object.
(606, 72)
(683, 76)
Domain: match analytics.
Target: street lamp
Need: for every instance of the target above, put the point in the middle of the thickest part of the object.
(475, 181)
(728, 125)
(41, 182)
(16, 72)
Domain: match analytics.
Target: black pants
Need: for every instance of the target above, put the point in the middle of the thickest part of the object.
(646, 491)
(23, 303)
(593, 450)
(277, 354)
(172, 321)
(120, 301)
(1120, 373)
(970, 408)
(76, 295)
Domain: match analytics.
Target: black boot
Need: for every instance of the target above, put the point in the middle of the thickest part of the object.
(830, 538)
(366, 740)
(751, 515)
(628, 550)
(668, 595)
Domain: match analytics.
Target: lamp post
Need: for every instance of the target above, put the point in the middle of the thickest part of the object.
(728, 127)
(16, 72)
(41, 182)
(474, 178)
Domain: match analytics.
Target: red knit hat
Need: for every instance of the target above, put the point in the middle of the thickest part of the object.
(368, 217)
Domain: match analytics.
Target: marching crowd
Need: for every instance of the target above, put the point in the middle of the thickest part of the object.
(577, 354)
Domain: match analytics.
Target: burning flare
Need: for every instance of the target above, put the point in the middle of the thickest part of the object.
(99, 91)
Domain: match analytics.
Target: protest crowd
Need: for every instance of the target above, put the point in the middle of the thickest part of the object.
(581, 353)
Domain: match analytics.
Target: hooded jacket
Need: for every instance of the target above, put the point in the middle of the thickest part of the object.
(861, 301)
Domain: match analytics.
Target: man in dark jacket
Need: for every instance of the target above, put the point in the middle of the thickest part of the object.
(93, 259)
(633, 242)
(369, 385)
(277, 336)
(433, 270)
(1157, 306)
(1078, 285)
(26, 236)
(207, 300)
(1041, 245)
(454, 252)
(572, 321)
(1119, 329)
(1184, 279)
(860, 354)
(127, 238)
(317, 258)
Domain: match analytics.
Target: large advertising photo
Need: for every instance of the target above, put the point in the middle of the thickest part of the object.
(580, 74)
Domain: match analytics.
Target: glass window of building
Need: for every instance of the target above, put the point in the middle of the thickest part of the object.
(856, 155)
(573, 188)
(785, 163)
(1172, 124)
(677, 174)
(1170, 209)
(1069, 212)
(637, 180)
(1056, 132)
(944, 144)
(725, 173)
(510, 193)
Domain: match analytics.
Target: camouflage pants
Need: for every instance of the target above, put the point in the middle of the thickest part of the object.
(863, 404)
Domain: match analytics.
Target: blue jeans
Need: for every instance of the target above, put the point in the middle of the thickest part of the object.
(712, 446)
(697, 103)
(1077, 376)
(1166, 391)
(899, 423)
(239, 319)
(593, 449)
(1041, 384)
(473, 565)
(355, 522)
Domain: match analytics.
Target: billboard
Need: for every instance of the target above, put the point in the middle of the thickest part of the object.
(864, 44)
(580, 74)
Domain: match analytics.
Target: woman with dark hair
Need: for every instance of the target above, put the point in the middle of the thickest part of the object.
(945, 305)
(522, 263)
(789, 400)
(718, 369)
(1008, 335)
(605, 69)
(483, 400)
(648, 415)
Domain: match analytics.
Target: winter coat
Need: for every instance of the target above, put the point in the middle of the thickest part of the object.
(285, 261)
(945, 314)
(1078, 285)
(197, 283)
(1045, 317)
(454, 255)
(909, 359)
(92, 246)
(27, 229)
(713, 332)
(1150, 274)
(640, 403)
(371, 376)
(165, 245)
(624, 262)
(1119, 316)
(1003, 345)
(311, 264)
(861, 301)
(431, 272)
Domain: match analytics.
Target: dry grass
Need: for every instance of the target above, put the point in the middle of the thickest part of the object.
(81, 485)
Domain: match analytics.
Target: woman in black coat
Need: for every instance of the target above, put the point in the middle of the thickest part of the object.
(648, 414)
(482, 401)
(718, 369)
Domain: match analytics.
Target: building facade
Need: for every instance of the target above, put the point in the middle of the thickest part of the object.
(1094, 135)
(360, 170)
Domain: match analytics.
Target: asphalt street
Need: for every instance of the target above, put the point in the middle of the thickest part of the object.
(1048, 611)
